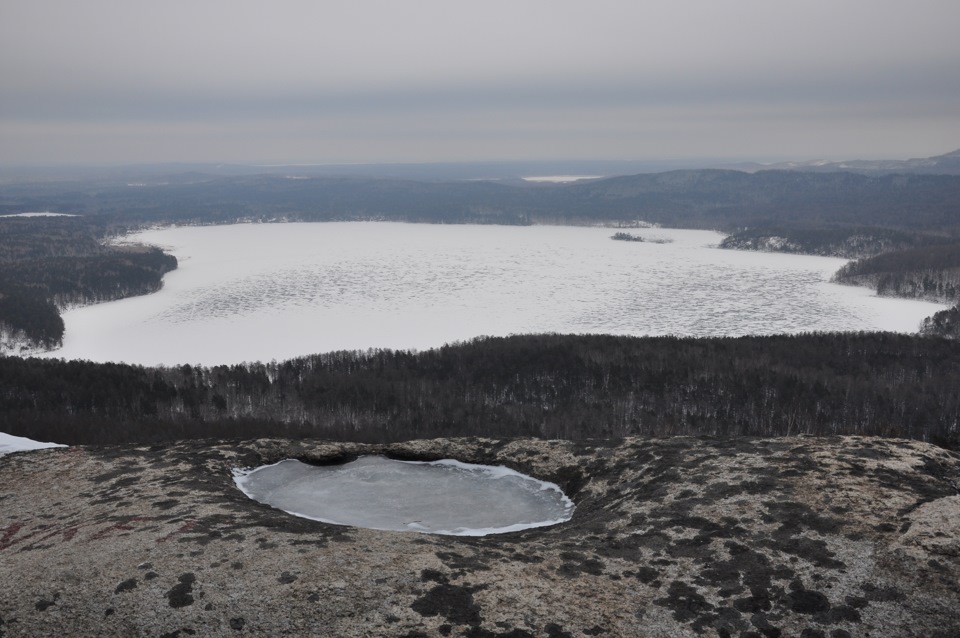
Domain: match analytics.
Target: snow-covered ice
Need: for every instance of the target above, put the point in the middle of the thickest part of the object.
(39, 214)
(559, 179)
(249, 292)
(438, 497)
(10, 443)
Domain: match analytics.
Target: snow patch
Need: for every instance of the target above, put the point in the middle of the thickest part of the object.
(10, 443)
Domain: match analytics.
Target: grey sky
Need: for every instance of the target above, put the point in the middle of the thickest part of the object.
(111, 81)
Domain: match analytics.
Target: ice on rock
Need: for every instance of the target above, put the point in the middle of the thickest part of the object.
(439, 497)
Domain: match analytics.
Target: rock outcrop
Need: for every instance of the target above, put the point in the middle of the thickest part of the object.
(671, 537)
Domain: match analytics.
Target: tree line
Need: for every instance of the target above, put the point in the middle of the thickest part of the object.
(552, 386)
(849, 242)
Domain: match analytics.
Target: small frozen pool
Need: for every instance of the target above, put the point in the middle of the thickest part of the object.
(437, 497)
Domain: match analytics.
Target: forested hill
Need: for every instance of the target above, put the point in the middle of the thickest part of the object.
(730, 199)
(551, 386)
(932, 273)
(51, 263)
(849, 242)
(716, 199)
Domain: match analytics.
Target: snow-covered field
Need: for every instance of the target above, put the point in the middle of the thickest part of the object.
(273, 291)
(439, 497)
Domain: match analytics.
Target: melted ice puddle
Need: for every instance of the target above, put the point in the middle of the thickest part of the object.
(438, 497)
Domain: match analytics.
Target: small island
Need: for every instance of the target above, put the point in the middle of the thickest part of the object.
(622, 236)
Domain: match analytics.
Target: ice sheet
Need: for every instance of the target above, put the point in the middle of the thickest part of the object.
(256, 292)
(440, 497)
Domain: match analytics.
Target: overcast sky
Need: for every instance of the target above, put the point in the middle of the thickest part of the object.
(116, 81)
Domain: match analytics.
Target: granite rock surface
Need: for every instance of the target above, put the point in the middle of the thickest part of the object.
(808, 537)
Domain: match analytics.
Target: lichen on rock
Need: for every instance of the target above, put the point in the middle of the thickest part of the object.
(672, 536)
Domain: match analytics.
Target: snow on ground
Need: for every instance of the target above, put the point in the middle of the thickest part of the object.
(10, 443)
(15, 342)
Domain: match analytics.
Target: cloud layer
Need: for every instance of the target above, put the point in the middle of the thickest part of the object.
(106, 81)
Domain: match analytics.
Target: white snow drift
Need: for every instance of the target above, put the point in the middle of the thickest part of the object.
(10, 443)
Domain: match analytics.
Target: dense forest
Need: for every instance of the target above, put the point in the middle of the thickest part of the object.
(573, 387)
(945, 323)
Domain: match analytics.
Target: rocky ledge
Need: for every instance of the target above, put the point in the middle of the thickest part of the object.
(671, 537)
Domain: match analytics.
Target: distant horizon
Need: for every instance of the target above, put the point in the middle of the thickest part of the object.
(692, 161)
(107, 83)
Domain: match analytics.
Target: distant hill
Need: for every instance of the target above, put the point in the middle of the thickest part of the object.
(727, 200)
(717, 199)
(946, 164)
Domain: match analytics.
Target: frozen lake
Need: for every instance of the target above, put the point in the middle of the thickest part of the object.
(438, 497)
(273, 291)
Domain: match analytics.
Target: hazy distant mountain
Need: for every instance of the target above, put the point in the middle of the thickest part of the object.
(946, 164)
(719, 199)
(430, 172)
(504, 171)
